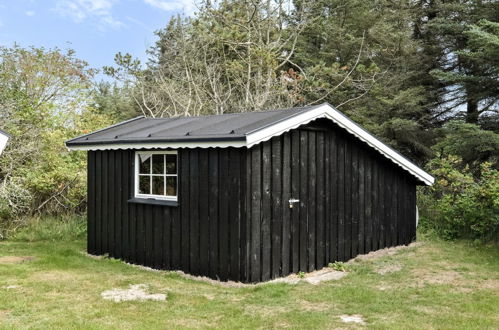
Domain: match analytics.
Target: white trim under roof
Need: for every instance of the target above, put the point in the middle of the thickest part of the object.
(265, 133)
(161, 145)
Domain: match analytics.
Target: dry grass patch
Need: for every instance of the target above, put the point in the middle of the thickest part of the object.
(388, 269)
(57, 276)
(313, 306)
(5, 260)
(265, 311)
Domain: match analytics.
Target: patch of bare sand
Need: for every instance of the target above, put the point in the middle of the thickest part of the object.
(5, 260)
(490, 284)
(229, 284)
(358, 319)
(373, 255)
(134, 292)
(315, 277)
(4, 313)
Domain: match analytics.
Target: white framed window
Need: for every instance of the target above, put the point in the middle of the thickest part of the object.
(156, 175)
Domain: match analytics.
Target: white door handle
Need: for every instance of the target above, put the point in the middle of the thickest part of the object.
(292, 201)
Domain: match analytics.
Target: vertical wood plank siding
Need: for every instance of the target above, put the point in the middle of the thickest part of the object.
(202, 235)
(233, 220)
(352, 201)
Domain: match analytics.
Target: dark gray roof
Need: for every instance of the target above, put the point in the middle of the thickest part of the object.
(227, 127)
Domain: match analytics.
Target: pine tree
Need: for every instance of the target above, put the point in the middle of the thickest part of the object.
(453, 34)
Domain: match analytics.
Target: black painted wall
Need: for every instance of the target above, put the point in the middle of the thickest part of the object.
(202, 235)
(233, 219)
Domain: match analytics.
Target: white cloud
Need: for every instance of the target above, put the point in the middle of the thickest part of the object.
(188, 6)
(30, 13)
(110, 21)
(98, 11)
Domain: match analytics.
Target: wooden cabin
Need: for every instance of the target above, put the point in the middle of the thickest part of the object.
(246, 196)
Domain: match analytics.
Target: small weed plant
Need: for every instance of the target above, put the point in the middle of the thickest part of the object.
(339, 266)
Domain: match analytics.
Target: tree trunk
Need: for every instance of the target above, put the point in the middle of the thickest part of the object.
(472, 111)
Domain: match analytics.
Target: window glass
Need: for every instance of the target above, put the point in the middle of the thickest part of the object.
(158, 164)
(145, 163)
(144, 184)
(171, 164)
(171, 186)
(158, 185)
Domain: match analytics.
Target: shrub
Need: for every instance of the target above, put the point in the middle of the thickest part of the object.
(460, 205)
(44, 101)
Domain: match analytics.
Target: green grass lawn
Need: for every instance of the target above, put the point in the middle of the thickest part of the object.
(434, 285)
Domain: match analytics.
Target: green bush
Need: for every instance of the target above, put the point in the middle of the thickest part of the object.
(460, 205)
(38, 175)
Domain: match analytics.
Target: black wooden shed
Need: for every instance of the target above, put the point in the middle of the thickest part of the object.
(247, 196)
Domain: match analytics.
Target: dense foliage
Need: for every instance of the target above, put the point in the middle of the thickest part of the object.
(423, 75)
(459, 205)
(43, 101)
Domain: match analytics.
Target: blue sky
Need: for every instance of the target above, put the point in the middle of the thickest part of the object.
(95, 29)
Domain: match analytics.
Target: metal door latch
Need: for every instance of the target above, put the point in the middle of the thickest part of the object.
(292, 201)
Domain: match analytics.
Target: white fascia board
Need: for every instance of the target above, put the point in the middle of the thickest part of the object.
(161, 145)
(3, 142)
(327, 111)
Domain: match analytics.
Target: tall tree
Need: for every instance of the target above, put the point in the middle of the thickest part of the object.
(228, 58)
(454, 33)
(361, 57)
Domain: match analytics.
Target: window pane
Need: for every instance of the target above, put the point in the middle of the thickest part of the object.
(145, 163)
(158, 164)
(171, 186)
(144, 184)
(171, 164)
(158, 185)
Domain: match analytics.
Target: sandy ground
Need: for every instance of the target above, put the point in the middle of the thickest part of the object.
(352, 319)
(15, 259)
(134, 292)
(383, 252)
